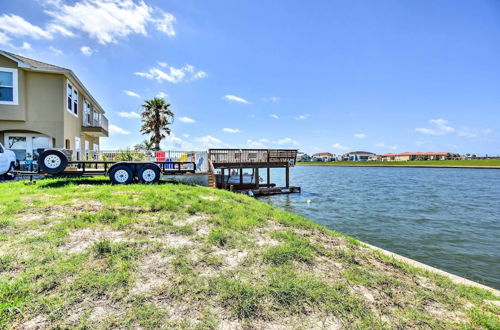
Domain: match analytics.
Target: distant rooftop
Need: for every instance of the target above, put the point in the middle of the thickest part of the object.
(418, 153)
(323, 154)
(360, 152)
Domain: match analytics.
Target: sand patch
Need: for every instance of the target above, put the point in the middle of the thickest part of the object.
(80, 240)
(209, 198)
(152, 272)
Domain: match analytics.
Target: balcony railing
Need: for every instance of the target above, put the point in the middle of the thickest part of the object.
(94, 121)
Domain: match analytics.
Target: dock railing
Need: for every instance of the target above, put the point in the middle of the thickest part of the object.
(253, 156)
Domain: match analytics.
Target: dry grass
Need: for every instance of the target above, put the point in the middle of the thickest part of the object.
(87, 254)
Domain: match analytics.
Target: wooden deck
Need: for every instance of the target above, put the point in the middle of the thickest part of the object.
(222, 162)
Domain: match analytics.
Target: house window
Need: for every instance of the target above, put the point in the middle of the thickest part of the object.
(72, 99)
(77, 148)
(87, 115)
(8, 86)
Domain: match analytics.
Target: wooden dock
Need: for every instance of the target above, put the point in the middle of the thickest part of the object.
(226, 170)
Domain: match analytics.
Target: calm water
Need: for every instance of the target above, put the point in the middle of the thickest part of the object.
(446, 218)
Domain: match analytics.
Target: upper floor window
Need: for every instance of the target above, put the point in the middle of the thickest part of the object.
(8, 86)
(72, 100)
(87, 113)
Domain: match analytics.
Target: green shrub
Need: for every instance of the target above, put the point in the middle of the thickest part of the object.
(129, 155)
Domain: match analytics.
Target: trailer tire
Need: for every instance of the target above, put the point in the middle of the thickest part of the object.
(149, 173)
(52, 161)
(11, 174)
(121, 174)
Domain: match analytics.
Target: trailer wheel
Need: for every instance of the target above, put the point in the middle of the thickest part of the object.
(52, 161)
(121, 174)
(10, 175)
(149, 173)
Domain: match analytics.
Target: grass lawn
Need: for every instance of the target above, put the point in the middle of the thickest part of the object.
(83, 253)
(472, 162)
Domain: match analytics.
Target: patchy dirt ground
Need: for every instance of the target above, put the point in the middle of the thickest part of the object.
(82, 253)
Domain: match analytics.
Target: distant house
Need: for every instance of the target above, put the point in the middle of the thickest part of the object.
(46, 106)
(407, 156)
(303, 157)
(323, 157)
(359, 156)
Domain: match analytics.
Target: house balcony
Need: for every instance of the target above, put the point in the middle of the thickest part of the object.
(95, 125)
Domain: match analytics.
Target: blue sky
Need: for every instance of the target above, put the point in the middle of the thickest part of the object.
(383, 76)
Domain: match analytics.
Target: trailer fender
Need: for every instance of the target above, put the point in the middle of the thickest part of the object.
(52, 161)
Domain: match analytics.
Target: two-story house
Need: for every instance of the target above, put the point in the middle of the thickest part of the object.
(47, 106)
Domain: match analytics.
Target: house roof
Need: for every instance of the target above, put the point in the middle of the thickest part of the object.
(418, 153)
(34, 65)
(360, 152)
(323, 154)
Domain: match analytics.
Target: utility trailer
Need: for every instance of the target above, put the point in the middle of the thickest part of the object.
(57, 162)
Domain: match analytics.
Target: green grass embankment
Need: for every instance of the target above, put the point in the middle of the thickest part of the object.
(464, 163)
(84, 253)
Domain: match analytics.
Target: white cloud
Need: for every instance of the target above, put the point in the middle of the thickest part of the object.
(440, 127)
(17, 26)
(467, 132)
(360, 135)
(287, 141)
(302, 117)
(110, 20)
(187, 120)
(113, 130)
(86, 50)
(166, 24)
(55, 51)
(25, 46)
(231, 130)
(271, 99)
(473, 132)
(173, 142)
(129, 114)
(185, 135)
(4, 39)
(173, 74)
(199, 75)
(339, 146)
(255, 144)
(234, 98)
(209, 141)
(162, 95)
(274, 116)
(385, 146)
(130, 93)
(107, 21)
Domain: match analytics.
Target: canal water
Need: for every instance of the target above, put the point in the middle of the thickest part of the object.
(446, 218)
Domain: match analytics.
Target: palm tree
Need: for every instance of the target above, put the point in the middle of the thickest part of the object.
(156, 118)
(145, 145)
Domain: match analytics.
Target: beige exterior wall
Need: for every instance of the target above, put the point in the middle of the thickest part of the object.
(402, 158)
(14, 112)
(42, 108)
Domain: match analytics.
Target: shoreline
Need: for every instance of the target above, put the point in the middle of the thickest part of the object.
(413, 166)
(454, 278)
